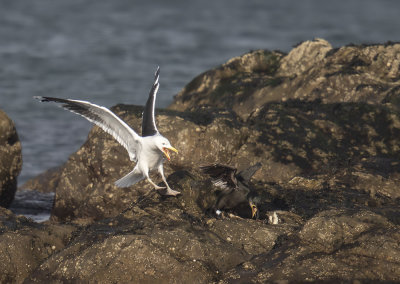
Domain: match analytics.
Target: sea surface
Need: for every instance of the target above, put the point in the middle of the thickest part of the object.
(107, 51)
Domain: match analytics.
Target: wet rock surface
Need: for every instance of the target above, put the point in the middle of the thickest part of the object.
(10, 159)
(323, 122)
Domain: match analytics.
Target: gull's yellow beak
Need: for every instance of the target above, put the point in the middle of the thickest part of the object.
(254, 209)
(166, 152)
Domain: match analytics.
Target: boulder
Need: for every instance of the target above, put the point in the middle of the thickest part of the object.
(10, 160)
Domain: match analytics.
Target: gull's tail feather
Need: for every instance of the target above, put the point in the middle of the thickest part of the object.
(131, 178)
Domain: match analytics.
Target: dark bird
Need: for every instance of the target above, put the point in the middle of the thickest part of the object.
(235, 188)
(148, 151)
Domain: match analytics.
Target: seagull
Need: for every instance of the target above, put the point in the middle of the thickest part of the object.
(235, 187)
(148, 151)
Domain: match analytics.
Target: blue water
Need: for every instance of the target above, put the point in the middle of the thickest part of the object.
(106, 52)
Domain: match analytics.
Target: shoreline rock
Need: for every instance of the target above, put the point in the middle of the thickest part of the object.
(10, 160)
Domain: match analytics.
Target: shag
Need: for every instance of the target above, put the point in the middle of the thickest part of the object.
(234, 187)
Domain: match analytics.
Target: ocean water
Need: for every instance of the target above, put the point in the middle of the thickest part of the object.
(107, 51)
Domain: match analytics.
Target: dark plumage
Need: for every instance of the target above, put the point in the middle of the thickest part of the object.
(234, 187)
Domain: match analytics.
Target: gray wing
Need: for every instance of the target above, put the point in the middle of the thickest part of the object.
(149, 127)
(249, 172)
(222, 176)
(105, 119)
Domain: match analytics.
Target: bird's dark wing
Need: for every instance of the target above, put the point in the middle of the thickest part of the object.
(222, 176)
(149, 127)
(246, 174)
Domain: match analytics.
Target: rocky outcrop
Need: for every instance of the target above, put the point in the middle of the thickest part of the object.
(24, 244)
(323, 122)
(160, 239)
(300, 144)
(10, 160)
(311, 71)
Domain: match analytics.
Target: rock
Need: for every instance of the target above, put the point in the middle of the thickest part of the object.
(311, 71)
(45, 182)
(334, 246)
(233, 85)
(156, 240)
(253, 237)
(303, 57)
(25, 244)
(342, 144)
(10, 160)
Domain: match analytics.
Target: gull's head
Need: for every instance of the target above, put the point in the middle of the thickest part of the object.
(164, 146)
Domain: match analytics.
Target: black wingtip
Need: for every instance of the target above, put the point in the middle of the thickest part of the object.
(47, 99)
(40, 98)
(44, 99)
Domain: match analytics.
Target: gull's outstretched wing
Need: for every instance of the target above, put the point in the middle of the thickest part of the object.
(149, 127)
(104, 118)
(222, 176)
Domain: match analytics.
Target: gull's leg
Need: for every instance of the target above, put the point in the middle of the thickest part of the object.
(169, 190)
(155, 186)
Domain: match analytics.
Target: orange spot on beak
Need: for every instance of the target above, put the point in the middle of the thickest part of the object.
(166, 152)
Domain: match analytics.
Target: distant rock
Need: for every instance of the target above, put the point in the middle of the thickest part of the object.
(10, 160)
